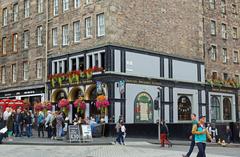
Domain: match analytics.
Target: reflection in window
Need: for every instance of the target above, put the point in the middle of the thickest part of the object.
(184, 108)
(227, 110)
(215, 108)
(143, 108)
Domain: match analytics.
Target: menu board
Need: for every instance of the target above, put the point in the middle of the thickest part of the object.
(74, 133)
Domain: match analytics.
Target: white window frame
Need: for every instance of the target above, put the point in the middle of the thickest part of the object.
(14, 73)
(58, 68)
(26, 35)
(26, 8)
(55, 36)
(235, 32)
(55, 7)
(39, 35)
(234, 9)
(235, 57)
(15, 42)
(4, 45)
(213, 27)
(88, 2)
(3, 74)
(39, 69)
(25, 71)
(65, 5)
(100, 25)
(213, 54)
(5, 17)
(224, 30)
(65, 34)
(40, 6)
(15, 12)
(222, 96)
(93, 58)
(77, 3)
(76, 31)
(88, 27)
(212, 4)
(223, 6)
(224, 53)
(77, 61)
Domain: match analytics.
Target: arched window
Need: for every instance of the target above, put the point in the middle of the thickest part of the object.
(143, 105)
(215, 108)
(184, 108)
(227, 109)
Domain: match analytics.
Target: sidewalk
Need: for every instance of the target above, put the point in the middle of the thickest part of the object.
(98, 141)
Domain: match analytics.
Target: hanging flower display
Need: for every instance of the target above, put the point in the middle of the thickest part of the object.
(38, 107)
(47, 105)
(102, 103)
(63, 104)
(80, 105)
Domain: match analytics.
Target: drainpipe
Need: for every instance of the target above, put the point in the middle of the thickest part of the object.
(46, 52)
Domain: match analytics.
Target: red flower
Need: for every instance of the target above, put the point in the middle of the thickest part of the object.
(63, 103)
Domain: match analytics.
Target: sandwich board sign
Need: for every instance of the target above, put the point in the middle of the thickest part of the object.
(86, 133)
(74, 133)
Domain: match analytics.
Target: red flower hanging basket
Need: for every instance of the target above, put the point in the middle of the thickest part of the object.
(63, 103)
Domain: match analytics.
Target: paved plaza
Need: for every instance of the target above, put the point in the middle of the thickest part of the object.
(132, 149)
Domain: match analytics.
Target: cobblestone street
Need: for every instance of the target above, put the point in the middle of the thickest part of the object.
(132, 149)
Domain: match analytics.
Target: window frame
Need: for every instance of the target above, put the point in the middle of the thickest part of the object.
(25, 71)
(26, 8)
(39, 35)
(5, 17)
(14, 73)
(235, 58)
(54, 37)
(101, 26)
(55, 7)
(15, 12)
(65, 35)
(76, 32)
(15, 42)
(4, 45)
(213, 27)
(88, 27)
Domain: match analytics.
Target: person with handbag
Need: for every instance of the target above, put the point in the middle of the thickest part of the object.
(40, 122)
(192, 136)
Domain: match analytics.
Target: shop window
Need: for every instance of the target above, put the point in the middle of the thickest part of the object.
(184, 108)
(74, 64)
(225, 76)
(96, 61)
(81, 63)
(102, 60)
(227, 109)
(215, 108)
(143, 108)
(90, 61)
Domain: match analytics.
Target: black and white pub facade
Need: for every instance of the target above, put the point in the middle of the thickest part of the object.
(132, 79)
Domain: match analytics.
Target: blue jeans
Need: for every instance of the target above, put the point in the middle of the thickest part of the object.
(17, 129)
(29, 130)
(201, 149)
(191, 146)
(59, 131)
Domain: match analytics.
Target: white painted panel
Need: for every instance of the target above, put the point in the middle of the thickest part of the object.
(202, 73)
(203, 96)
(181, 91)
(70, 113)
(166, 68)
(117, 111)
(141, 64)
(117, 59)
(132, 90)
(87, 111)
(166, 93)
(204, 110)
(117, 93)
(167, 113)
(184, 71)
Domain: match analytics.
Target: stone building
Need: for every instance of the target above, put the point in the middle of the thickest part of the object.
(133, 52)
(23, 49)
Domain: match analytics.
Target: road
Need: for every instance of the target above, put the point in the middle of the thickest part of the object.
(132, 149)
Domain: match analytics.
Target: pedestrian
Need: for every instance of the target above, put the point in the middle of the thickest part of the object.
(2, 125)
(122, 132)
(40, 123)
(164, 134)
(209, 128)
(6, 114)
(201, 135)
(59, 125)
(192, 136)
(53, 123)
(47, 124)
(28, 122)
(228, 134)
(10, 126)
(118, 132)
(18, 120)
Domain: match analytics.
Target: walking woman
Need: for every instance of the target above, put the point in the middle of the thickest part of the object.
(201, 135)
(59, 124)
(10, 128)
(163, 135)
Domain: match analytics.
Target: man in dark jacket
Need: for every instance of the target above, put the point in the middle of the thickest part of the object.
(2, 125)
(18, 120)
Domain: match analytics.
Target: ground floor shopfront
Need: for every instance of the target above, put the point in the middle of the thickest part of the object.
(132, 79)
(30, 95)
